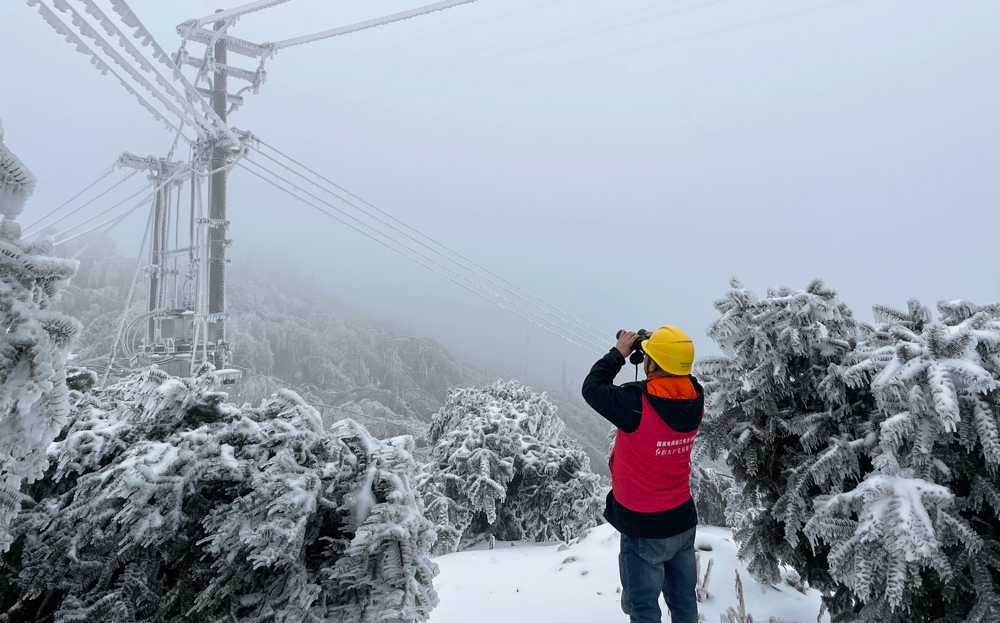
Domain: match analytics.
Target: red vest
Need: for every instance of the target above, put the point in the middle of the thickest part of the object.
(651, 468)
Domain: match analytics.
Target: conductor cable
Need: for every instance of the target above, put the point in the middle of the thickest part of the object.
(413, 259)
(573, 320)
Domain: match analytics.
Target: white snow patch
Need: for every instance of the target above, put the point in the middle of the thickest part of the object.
(579, 583)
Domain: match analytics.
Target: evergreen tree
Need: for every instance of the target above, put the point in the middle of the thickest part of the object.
(790, 426)
(502, 465)
(709, 487)
(33, 347)
(919, 538)
(879, 444)
(163, 503)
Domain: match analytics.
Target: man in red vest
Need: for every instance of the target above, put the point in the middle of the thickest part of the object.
(650, 499)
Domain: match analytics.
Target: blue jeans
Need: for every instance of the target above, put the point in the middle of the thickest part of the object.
(651, 566)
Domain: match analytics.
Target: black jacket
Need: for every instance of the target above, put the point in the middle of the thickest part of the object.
(622, 406)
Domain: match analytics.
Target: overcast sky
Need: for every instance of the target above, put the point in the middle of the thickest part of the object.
(621, 159)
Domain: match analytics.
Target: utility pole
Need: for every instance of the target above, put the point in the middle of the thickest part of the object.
(155, 258)
(217, 207)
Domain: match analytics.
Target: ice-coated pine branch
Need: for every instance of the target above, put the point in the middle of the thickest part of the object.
(878, 443)
(33, 347)
(168, 500)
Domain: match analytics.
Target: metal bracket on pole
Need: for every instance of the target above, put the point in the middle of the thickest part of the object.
(213, 222)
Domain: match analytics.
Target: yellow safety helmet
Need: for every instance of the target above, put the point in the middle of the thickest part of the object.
(671, 349)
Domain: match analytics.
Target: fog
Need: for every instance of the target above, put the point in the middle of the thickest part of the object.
(620, 159)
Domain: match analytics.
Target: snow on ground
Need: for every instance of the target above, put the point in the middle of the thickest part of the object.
(578, 583)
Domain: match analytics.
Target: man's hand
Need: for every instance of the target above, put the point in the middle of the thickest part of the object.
(625, 342)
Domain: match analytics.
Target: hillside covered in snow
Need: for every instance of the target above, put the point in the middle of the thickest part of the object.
(344, 363)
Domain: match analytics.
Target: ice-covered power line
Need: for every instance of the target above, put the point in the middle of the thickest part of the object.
(100, 64)
(465, 27)
(168, 85)
(449, 264)
(235, 13)
(170, 89)
(62, 236)
(130, 19)
(416, 259)
(62, 218)
(449, 255)
(97, 181)
(113, 221)
(157, 90)
(443, 263)
(597, 32)
(449, 269)
(218, 42)
(118, 220)
(457, 278)
(372, 23)
(216, 143)
(708, 33)
(605, 20)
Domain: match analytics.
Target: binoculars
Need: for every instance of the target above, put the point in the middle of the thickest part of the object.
(637, 355)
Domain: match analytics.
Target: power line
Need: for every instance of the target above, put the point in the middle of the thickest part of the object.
(480, 23)
(604, 20)
(105, 211)
(114, 186)
(237, 12)
(604, 30)
(433, 261)
(411, 258)
(88, 31)
(112, 29)
(132, 20)
(112, 221)
(557, 322)
(735, 27)
(372, 23)
(100, 178)
(463, 60)
(709, 33)
(57, 24)
(580, 326)
(115, 222)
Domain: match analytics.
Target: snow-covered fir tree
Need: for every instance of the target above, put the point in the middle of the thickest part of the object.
(790, 428)
(866, 457)
(33, 347)
(919, 538)
(502, 465)
(709, 486)
(163, 503)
